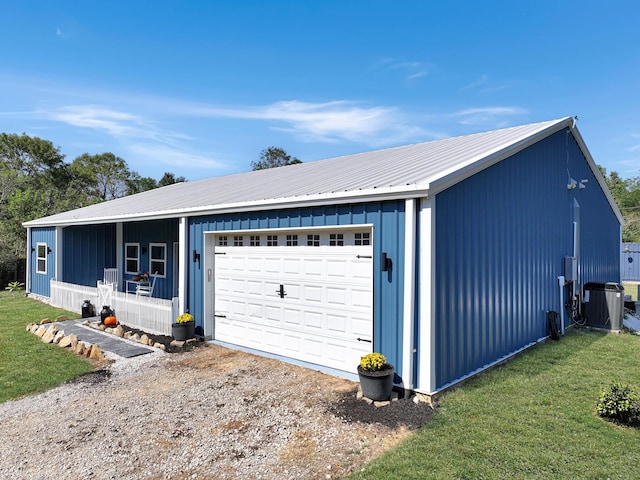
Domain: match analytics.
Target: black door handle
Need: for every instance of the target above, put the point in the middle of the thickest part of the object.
(281, 292)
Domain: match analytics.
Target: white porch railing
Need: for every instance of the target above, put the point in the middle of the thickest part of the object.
(153, 315)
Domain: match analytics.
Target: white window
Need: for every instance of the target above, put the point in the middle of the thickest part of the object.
(254, 240)
(292, 240)
(158, 259)
(41, 263)
(132, 258)
(223, 241)
(238, 240)
(336, 240)
(313, 240)
(363, 238)
(272, 240)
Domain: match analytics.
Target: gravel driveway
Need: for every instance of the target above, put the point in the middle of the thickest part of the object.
(212, 413)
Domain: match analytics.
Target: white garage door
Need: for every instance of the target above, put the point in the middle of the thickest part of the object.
(303, 296)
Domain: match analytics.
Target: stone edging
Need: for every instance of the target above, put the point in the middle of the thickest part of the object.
(52, 334)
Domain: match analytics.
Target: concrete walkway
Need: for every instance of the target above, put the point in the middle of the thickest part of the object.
(106, 341)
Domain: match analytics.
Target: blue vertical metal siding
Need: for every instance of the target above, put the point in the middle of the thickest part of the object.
(387, 219)
(88, 250)
(501, 238)
(154, 231)
(40, 281)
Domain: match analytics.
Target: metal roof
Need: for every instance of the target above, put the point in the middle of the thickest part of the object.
(408, 171)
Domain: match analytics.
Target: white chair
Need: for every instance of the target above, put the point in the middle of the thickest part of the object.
(147, 290)
(111, 276)
(108, 284)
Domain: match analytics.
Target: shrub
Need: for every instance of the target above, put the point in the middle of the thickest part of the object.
(619, 402)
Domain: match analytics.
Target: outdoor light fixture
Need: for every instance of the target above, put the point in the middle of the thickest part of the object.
(385, 262)
(144, 250)
(196, 256)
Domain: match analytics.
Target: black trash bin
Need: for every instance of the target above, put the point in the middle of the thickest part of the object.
(604, 305)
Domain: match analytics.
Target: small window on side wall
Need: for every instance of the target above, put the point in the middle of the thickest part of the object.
(132, 258)
(41, 261)
(158, 259)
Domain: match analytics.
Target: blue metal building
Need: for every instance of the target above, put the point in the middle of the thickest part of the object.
(445, 256)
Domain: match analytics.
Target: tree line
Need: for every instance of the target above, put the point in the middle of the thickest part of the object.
(36, 181)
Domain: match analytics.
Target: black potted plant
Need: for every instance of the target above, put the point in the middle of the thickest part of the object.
(376, 377)
(184, 328)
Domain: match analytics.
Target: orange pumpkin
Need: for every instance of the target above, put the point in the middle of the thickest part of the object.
(110, 321)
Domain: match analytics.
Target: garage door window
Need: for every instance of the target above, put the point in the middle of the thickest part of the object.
(363, 238)
(238, 240)
(272, 240)
(254, 240)
(292, 240)
(313, 240)
(336, 240)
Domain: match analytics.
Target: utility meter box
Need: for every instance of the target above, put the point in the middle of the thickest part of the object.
(604, 305)
(571, 269)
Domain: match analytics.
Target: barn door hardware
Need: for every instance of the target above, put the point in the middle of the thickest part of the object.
(364, 256)
(363, 340)
(281, 292)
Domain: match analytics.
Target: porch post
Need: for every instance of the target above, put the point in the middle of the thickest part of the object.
(120, 257)
(183, 236)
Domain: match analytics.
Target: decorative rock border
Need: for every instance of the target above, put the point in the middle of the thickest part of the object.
(137, 337)
(118, 331)
(51, 334)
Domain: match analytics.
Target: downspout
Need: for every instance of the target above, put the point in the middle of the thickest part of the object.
(408, 314)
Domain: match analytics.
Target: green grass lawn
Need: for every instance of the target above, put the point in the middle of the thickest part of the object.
(27, 365)
(532, 417)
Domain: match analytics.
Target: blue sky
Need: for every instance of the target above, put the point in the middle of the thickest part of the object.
(200, 88)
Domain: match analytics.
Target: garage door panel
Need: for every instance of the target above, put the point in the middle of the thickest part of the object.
(313, 320)
(313, 294)
(328, 302)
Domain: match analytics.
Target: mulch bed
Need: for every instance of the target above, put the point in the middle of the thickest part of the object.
(404, 412)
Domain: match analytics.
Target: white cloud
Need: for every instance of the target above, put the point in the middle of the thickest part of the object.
(112, 122)
(58, 32)
(412, 69)
(154, 154)
(491, 116)
(484, 78)
(326, 122)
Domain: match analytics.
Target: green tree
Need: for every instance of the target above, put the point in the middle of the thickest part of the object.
(273, 157)
(107, 176)
(169, 179)
(34, 182)
(627, 195)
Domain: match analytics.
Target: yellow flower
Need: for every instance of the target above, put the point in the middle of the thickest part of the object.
(185, 317)
(373, 362)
